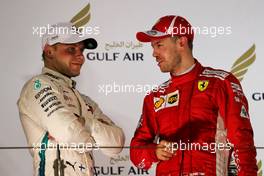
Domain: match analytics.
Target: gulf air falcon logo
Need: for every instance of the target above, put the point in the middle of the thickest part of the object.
(82, 17)
(241, 65)
(202, 85)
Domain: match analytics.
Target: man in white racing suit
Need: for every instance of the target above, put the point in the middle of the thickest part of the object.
(54, 115)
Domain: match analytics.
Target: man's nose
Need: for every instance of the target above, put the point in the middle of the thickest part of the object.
(154, 53)
(79, 51)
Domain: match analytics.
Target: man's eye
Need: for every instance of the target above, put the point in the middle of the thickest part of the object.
(71, 50)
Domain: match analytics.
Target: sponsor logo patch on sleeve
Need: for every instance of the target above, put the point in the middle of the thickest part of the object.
(165, 101)
(215, 73)
(243, 112)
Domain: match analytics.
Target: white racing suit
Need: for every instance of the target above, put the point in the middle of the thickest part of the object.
(53, 112)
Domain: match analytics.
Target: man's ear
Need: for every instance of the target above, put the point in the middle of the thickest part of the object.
(49, 51)
(183, 41)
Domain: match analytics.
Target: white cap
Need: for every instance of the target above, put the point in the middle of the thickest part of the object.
(66, 33)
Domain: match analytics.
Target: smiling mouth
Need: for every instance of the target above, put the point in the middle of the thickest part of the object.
(159, 62)
(77, 63)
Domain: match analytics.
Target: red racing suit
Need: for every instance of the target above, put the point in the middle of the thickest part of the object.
(205, 114)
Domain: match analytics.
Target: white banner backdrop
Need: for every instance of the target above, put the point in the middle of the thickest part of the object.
(120, 71)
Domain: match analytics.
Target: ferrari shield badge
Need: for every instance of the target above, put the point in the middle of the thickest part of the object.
(202, 85)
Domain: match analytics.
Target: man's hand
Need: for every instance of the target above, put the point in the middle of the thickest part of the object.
(164, 150)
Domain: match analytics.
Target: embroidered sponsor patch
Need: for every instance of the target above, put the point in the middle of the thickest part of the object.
(77, 166)
(165, 101)
(82, 168)
(49, 100)
(172, 99)
(237, 89)
(37, 84)
(54, 110)
(238, 92)
(215, 73)
(243, 112)
(158, 102)
(203, 84)
(44, 91)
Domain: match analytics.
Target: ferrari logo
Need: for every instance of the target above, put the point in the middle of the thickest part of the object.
(202, 85)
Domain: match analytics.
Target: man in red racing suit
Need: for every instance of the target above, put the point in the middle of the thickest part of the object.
(199, 118)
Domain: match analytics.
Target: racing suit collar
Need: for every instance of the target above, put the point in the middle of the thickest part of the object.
(59, 77)
(191, 75)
